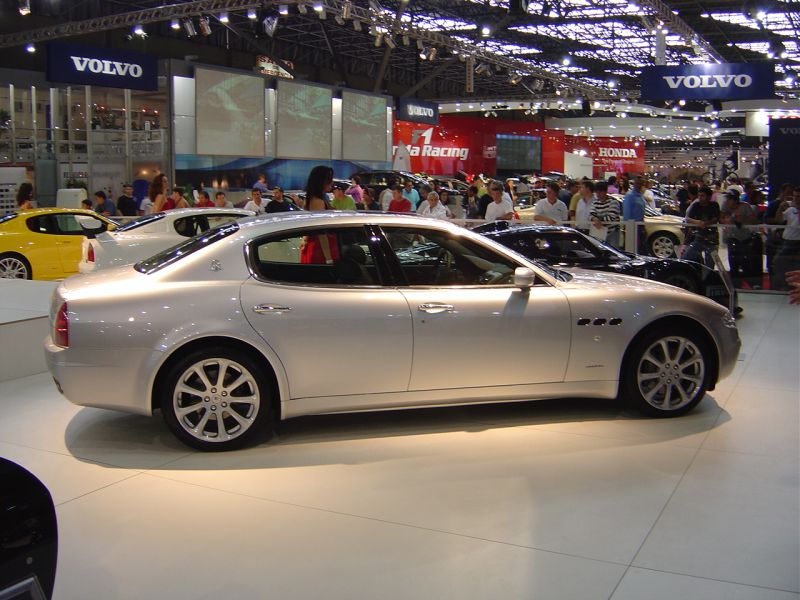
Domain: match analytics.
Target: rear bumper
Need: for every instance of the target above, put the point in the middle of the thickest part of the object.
(117, 379)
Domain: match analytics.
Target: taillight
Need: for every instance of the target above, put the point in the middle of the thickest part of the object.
(61, 327)
(90, 254)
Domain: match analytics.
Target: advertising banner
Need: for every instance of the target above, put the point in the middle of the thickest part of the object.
(609, 154)
(726, 81)
(87, 65)
(417, 111)
(784, 140)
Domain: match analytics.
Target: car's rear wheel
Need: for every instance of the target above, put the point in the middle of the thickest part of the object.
(217, 399)
(667, 372)
(15, 266)
(683, 281)
(663, 244)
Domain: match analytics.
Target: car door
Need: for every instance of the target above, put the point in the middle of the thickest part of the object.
(472, 327)
(317, 298)
(40, 247)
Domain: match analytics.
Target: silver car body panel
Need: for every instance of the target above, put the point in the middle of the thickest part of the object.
(352, 349)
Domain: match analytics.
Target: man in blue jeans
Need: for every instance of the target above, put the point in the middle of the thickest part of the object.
(633, 210)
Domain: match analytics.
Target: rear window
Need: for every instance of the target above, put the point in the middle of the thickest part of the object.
(8, 217)
(184, 249)
(141, 221)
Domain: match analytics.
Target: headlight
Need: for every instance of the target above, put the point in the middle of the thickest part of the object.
(728, 320)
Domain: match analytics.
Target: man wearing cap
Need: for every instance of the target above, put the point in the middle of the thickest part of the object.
(340, 200)
(278, 202)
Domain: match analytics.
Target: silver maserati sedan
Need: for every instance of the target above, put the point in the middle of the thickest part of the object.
(273, 317)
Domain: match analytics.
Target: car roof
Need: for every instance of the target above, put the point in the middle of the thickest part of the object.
(183, 212)
(50, 210)
(291, 220)
(533, 229)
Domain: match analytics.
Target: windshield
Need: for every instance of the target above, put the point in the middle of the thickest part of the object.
(603, 247)
(141, 221)
(190, 246)
(8, 217)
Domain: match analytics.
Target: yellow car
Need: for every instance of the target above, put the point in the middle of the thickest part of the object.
(44, 243)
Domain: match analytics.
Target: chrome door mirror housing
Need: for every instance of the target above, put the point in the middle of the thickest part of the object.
(524, 277)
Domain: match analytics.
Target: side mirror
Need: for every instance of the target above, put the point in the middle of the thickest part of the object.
(524, 277)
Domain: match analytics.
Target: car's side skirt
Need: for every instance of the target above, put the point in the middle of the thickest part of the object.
(450, 397)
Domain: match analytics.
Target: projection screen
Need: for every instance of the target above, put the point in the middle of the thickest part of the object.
(363, 127)
(230, 113)
(304, 121)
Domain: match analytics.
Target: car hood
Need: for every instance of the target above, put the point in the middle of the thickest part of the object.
(585, 278)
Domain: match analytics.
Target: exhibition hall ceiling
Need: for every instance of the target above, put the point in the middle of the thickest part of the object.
(432, 48)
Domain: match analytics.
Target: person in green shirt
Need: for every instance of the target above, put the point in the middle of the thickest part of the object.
(341, 201)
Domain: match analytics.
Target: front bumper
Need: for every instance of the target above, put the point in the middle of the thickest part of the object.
(729, 345)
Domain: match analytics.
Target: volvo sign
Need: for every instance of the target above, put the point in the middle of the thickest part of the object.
(728, 81)
(418, 111)
(87, 65)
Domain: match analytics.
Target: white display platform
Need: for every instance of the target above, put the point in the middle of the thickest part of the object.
(24, 323)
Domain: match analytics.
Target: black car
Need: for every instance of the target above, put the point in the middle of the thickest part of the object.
(566, 247)
(379, 180)
(28, 535)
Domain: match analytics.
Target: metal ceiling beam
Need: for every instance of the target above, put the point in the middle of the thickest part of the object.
(388, 51)
(432, 75)
(123, 20)
(677, 25)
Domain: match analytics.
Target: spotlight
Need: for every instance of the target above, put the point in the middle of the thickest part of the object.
(566, 61)
(378, 40)
(30, 48)
(389, 41)
(420, 45)
(302, 8)
(375, 6)
(139, 30)
(283, 9)
(318, 6)
(357, 25)
(202, 24)
(483, 69)
(24, 7)
(486, 30)
(188, 27)
(223, 17)
(682, 102)
(346, 8)
(406, 40)
(612, 84)
(175, 24)
(339, 19)
(251, 14)
(514, 78)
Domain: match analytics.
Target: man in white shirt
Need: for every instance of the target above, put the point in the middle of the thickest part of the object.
(647, 193)
(583, 208)
(255, 204)
(550, 209)
(500, 209)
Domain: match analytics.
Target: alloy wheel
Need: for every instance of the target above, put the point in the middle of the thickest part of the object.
(670, 373)
(12, 267)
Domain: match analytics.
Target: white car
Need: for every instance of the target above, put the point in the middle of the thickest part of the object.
(149, 235)
(275, 317)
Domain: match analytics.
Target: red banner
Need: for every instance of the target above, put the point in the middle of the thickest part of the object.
(609, 154)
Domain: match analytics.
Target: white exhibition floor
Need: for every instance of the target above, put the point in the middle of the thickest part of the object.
(562, 500)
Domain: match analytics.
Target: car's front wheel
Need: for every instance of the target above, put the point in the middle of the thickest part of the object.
(663, 244)
(14, 266)
(217, 399)
(667, 372)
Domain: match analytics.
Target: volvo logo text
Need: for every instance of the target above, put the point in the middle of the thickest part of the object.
(419, 111)
(790, 130)
(707, 81)
(106, 67)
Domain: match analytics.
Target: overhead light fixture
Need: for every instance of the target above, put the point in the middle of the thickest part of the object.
(357, 25)
(202, 24)
(566, 61)
(138, 30)
(322, 14)
(175, 24)
(339, 19)
(483, 69)
(420, 45)
(251, 14)
(223, 17)
(431, 53)
(301, 8)
(486, 29)
(378, 40)
(283, 9)
(682, 102)
(318, 6)
(406, 40)
(514, 78)
(389, 41)
(346, 8)
(24, 7)
(375, 6)
(612, 83)
(188, 27)
(30, 48)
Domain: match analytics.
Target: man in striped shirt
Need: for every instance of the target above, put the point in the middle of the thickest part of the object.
(604, 213)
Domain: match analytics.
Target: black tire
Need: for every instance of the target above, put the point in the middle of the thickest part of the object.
(199, 426)
(15, 266)
(654, 380)
(663, 244)
(684, 281)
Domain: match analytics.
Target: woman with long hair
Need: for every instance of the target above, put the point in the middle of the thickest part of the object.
(158, 192)
(25, 196)
(322, 248)
(319, 183)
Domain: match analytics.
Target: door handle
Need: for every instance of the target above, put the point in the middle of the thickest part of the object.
(435, 307)
(268, 309)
